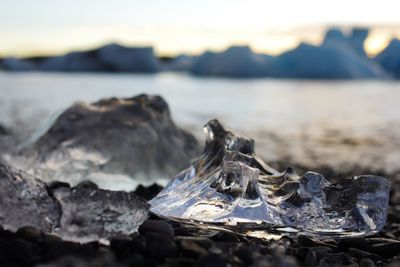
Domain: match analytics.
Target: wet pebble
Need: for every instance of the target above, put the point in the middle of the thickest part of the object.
(56, 250)
(311, 258)
(212, 260)
(366, 262)
(226, 237)
(192, 249)
(360, 254)
(160, 246)
(20, 251)
(157, 226)
(309, 242)
(355, 242)
(388, 249)
(4, 130)
(245, 255)
(336, 259)
(29, 233)
(148, 192)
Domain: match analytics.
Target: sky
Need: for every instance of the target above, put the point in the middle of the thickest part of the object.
(47, 27)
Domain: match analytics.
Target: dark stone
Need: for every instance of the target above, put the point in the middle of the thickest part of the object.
(355, 242)
(394, 263)
(388, 249)
(367, 263)
(157, 226)
(133, 259)
(279, 246)
(124, 247)
(360, 254)
(148, 192)
(212, 260)
(309, 242)
(191, 248)
(379, 240)
(311, 258)
(73, 261)
(21, 251)
(55, 250)
(204, 242)
(159, 246)
(29, 233)
(335, 259)
(226, 237)
(88, 185)
(180, 262)
(57, 184)
(4, 131)
(245, 255)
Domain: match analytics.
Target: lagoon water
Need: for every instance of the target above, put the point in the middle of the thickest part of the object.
(304, 120)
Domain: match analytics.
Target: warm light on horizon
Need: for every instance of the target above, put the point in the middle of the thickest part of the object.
(43, 27)
(169, 44)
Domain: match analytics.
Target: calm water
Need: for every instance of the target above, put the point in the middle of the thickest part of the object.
(288, 110)
(249, 104)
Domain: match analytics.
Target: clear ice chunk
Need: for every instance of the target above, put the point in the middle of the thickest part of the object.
(228, 186)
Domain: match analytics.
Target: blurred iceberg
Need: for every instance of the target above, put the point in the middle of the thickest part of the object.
(389, 58)
(338, 57)
(341, 55)
(236, 61)
(17, 64)
(75, 61)
(123, 59)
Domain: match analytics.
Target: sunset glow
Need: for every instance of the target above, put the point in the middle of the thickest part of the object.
(44, 27)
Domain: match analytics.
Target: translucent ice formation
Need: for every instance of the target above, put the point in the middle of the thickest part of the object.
(230, 187)
(116, 143)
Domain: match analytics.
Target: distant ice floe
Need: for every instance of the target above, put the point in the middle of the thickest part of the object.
(340, 56)
(389, 58)
(16, 64)
(236, 61)
(75, 61)
(124, 59)
(110, 58)
(181, 63)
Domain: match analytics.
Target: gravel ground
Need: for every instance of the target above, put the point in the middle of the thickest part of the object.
(164, 243)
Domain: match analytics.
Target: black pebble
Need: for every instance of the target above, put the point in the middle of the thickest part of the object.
(226, 237)
(367, 263)
(160, 246)
(386, 249)
(245, 255)
(4, 131)
(211, 260)
(148, 192)
(20, 251)
(157, 226)
(355, 242)
(55, 250)
(29, 233)
(88, 184)
(360, 254)
(58, 184)
(311, 258)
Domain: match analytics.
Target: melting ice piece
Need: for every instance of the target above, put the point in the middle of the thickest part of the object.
(230, 187)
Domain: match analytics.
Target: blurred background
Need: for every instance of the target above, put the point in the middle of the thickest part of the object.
(313, 82)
